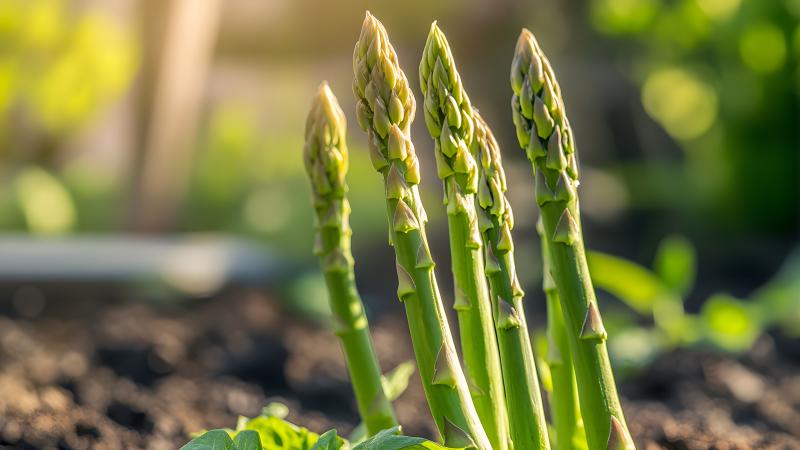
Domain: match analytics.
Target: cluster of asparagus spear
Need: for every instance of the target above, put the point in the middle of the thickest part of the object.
(494, 401)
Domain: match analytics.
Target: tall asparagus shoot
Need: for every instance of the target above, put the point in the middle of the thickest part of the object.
(326, 161)
(385, 111)
(564, 406)
(544, 132)
(495, 221)
(448, 115)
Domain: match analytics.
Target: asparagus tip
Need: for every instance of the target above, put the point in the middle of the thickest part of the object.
(369, 28)
(436, 42)
(325, 151)
(526, 34)
(324, 93)
(524, 42)
(435, 32)
(368, 17)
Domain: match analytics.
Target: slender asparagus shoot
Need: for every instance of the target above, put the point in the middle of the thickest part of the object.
(495, 219)
(564, 406)
(448, 115)
(385, 111)
(326, 161)
(544, 132)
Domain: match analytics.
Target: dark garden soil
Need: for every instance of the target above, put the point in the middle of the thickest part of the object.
(129, 375)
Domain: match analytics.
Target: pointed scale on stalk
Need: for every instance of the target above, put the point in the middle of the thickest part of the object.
(386, 109)
(326, 159)
(544, 132)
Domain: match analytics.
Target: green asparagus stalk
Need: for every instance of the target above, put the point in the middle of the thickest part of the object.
(495, 220)
(448, 115)
(385, 111)
(564, 406)
(544, 132)
(326, 161)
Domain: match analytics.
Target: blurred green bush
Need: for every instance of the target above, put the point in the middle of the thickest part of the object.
(721, 78)
(59, 69)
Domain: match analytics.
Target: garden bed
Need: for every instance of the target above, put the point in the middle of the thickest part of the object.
(127, 374)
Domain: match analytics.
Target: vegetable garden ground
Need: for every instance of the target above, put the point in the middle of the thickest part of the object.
(97, 371)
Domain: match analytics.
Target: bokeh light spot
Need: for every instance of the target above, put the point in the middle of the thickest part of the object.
(763, 48)
(46, 204)
(623, 16)
(8, 83)
(44, 21)
(719, 9)
(729, 323)
(267, 210)
(680, 101)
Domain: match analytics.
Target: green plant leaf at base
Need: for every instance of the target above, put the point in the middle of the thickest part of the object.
(275, 409)
(730, 323)
(396, 381)
(247, 440)
(277, 434)
(389, 439)
(329, 440)
(394, 384)
(638, 287)
(676, 264)
(211, 440)
(260, 433)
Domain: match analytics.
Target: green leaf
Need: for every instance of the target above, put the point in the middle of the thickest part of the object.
(389, 439)
(779, 299)
(638, 287)
(396, 381)
(359, 434)
(729, 323)
(634, 347)
(329, 440)
(275, 409)
(247, 440)
(676, 264)
(394, 384)
(211, 440)
(277, 434)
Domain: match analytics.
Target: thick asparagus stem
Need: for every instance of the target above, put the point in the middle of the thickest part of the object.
(544, 132)
(495, 220)
(448, 115)
(326, 160)
(566, 414)
(385, 110)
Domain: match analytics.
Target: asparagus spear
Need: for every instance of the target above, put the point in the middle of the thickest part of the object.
(495, 219)
(564, 406)
(544, 132)
(385, 111)
(448, 115)
(326, 160)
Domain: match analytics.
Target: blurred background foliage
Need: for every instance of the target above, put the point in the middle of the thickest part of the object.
(685, 112)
